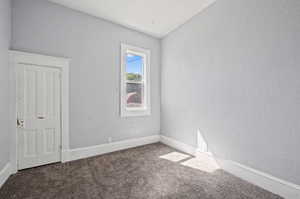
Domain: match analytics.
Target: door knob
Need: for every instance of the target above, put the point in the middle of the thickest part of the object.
(20, 123)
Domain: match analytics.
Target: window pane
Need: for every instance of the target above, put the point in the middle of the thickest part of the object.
(135, 92)
(134, 67)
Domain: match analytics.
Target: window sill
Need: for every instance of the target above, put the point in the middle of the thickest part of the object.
(136, 113)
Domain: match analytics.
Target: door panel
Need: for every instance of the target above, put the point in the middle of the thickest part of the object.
(30, 140)
(49, 140)
(38, 110)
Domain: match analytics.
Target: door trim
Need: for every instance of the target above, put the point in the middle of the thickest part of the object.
(17, 57)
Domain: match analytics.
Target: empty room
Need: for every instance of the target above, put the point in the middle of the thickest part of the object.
(149, 99)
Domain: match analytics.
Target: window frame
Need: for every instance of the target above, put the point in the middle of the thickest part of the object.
(138, 111)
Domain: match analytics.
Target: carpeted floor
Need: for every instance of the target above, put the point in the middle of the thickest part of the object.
(153, 171)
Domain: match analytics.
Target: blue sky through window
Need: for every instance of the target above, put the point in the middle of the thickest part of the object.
(134, 64)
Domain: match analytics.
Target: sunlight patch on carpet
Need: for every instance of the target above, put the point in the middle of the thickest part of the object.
(203, 162)
(175, 156)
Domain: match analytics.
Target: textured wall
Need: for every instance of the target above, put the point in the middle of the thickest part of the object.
(233, 72)
(5, 20)
(94, 47)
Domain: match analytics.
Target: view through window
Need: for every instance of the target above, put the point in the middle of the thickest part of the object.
(134, 81)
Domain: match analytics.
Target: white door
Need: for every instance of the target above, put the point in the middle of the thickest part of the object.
(38, 115)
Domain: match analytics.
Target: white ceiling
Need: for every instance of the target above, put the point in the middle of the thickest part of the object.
(154, 17)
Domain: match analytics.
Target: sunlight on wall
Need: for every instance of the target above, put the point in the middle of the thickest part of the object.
(201, 142)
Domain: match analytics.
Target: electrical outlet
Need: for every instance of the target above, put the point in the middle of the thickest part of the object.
(109, 140)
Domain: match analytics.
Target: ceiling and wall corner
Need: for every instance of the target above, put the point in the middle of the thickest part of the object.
(156, 17)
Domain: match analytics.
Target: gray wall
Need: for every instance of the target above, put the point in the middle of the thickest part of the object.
(233, 72)
(5, 20)
(94, 47)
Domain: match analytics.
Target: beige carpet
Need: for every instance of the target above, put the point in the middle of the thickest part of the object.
(152, 171)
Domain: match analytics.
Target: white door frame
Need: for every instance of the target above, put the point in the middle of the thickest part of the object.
(17, 57)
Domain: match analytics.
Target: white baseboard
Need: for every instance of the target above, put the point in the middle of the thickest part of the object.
(65, 156)
(275, 185)
(178, 145)
(5, 173)
(80, 153)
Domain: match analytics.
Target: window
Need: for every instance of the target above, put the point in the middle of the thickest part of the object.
(135, 81)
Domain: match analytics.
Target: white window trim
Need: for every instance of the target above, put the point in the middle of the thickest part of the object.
(135, 112)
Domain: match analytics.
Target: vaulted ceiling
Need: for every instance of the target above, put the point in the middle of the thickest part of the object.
(154, 17)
